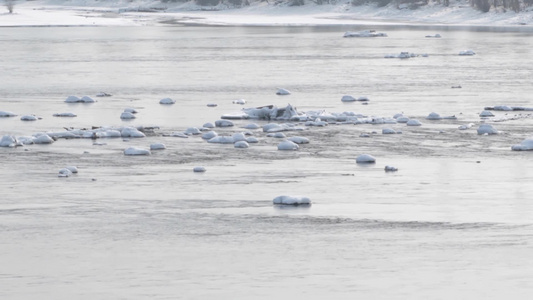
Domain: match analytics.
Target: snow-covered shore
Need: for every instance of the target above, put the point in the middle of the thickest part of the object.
(146, 13)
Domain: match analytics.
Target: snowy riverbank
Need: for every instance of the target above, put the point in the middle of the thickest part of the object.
(143, 13)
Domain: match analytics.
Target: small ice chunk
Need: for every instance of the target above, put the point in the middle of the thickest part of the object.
(192, 131)
(223, 123)
(413, 122)
(388, 131)
(157, 146)
(238, 136)
(28, 118)
(278, 135)
(130, 110)
(467, 53)
(390, 169)
(241, 144)
(466, 126)
(486, 114)
(239, 101)
(299, 140)
(65, 172)
(486, 129)
(288, 145)
(208, 125)
(292, 200)
(127, 116)
(43, 138)
(6, 114)
(67, 115)
(221, 139)
(209, 135)
(167, 101)
(282, 92)
(198, 169)
(365, 158)
(433, 116)
(212, 105)
(136, 151)
(252, 126)
(348, 98)
(525, 145)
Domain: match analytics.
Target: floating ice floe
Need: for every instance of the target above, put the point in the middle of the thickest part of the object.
(467, 53)
(436, 116)
(131, 132)
(252, 140)
(167, 101)
(64, 173)
(238, 136)
(299, 140)
(509, 108)
(208, 125)
(390, 169)
(292, 200)
(223, 123)
(29, 118)
(72, 169)
(466, 126)
(7, 114)
(221, 139)
(402, 119)
(364, 33)
(192, 131)
(288, 145)
(283, 92)
(486, 114)
(130, 110)
(9, 141)
(413, 122)
(136, 151)
(239, 101)
(525, 145)
(198, 169)
(42, 138)
(76, 99)
(103, 94)
(157, 146)
(127, 116)
(434, 36)
(388, 131)
(348, 98)
(209, 135)
(241, 144)
(278, 135)
(65, 115)
(252, 126)
(365, 158)
(486, 129)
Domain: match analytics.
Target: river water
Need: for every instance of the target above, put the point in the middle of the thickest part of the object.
(454, 222)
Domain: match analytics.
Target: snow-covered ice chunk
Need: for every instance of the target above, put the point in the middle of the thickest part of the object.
(525, 145)
(198, 169)
(72, 169)
(241, 144)
(292, 200)
(157, 146)
(413, 122)
(288, 145)
(390, 169)
(238, 136)
(252, 126)
(299, 140)
(223, 123)
(434, 116)
(167, 101)
(348, 98)
(136, 151)
(131, 132)
(209, 135)
(364, 33)
(87, 99)
(486, 114)
(388, 131)
(66, 115)
(192, 131)
(239, 101)
(127, 116)
(221, 139)
(7, 114)
(64, 173)
(365, 158)
(42, 138)
(467, 53)
(28, 118)
(208, 125)
(252, 140)
(9, 141)
(282, 91)
(486, 129)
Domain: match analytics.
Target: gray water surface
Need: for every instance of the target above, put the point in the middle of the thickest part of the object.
(454, 222)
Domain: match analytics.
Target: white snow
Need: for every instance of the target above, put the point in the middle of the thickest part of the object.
(292, 200)
(127, 13)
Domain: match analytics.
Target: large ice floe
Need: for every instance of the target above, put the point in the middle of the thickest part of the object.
(525, 145)
(364, 33)
(292, 200)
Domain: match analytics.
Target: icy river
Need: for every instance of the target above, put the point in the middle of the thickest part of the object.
(454, 222)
